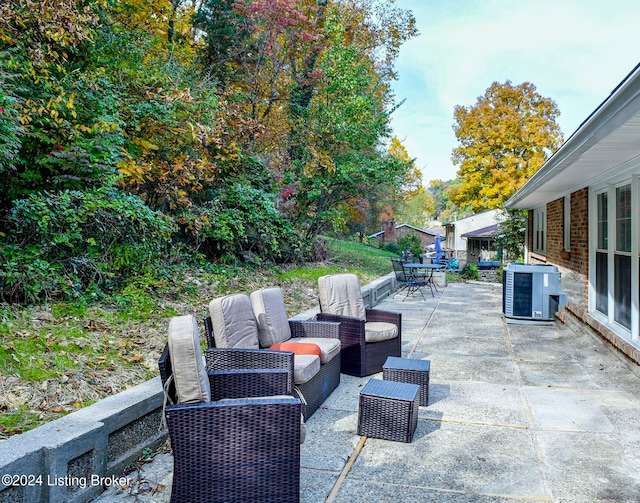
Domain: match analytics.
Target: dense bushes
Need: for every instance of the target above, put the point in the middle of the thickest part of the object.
(69, 241)
(242, 219)
(235, 130)
(470, 271)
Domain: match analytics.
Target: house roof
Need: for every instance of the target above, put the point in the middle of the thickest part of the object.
(417, 229)
(485, 232)
(471, 217)
(604, 146)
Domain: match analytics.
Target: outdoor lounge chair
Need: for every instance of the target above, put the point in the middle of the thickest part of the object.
(241, 449)
(450, 265)
(368, 336)
(261, 322)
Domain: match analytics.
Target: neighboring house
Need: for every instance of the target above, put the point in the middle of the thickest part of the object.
(456, 241)
(481, 244)
(584, 217)
(391, 232)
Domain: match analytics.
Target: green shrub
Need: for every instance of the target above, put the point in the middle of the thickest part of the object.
(391, 247)
(412, 242)
(242, 219)
(470, 271)
(61, 243)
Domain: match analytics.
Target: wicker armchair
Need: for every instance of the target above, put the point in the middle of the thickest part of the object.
(368, 336)
(245, 449)
(259, 322)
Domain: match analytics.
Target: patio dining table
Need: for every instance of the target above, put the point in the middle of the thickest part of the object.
(423, 272)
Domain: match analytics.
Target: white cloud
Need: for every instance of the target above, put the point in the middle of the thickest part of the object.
(574, 52)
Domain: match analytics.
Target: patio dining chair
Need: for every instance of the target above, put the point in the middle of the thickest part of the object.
(239, 449)
(368, 336)
(401, 277)
(411, 281)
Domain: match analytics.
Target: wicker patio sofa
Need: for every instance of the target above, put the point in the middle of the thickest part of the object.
(260, 321)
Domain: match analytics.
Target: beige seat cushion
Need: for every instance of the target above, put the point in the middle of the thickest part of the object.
(376, 331)
(189, 373)
(329, 347)
(305, 367)
(271, 316)
(340, 294)
(233, 322)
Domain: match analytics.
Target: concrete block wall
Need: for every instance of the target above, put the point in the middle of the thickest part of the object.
(72, 459)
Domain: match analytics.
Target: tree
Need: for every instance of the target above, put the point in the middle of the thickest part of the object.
(444, 209)
(347, 120)
(504, 139)
(510, 235)
(413, 204)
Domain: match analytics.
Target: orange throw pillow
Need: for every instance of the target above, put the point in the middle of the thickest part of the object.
(299, 348)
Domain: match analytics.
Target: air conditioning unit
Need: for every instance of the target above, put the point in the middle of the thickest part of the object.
(531, 293)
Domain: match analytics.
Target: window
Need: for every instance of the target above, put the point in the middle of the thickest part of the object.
(622, 259)
(540, 231)
(602, 222)
(602, 259)
(623, 218)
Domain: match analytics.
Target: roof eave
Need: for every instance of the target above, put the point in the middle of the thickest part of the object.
(608, 116)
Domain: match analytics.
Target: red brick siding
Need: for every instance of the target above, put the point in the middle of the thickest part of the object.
(573, 264)
(555, 231)
(580, 237)
(425, 239)
(577, 259)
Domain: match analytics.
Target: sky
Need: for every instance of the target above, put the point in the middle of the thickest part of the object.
(574, 51)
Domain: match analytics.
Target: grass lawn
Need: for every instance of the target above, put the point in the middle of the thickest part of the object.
(61, 356)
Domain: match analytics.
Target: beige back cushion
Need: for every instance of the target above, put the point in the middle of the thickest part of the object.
(271, 315)
(189, 373)
(233, 322)
(340, 294)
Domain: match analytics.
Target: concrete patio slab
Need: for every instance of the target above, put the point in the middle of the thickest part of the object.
(448, 367)
(473, 453)
(476, 403)
(517, 413)
(576, 409)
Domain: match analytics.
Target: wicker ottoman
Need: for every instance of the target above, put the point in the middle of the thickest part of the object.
(388, 410)
(411, 371)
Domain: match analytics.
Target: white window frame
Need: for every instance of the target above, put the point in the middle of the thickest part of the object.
(632, 334)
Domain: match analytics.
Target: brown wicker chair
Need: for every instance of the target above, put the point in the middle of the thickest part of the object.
(245, 449)
(368, 336)
(242, 321)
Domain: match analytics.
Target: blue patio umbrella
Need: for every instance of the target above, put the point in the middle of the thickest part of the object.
(438, 248)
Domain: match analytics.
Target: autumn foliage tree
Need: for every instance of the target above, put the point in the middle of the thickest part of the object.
(228, 127)
(504, 139)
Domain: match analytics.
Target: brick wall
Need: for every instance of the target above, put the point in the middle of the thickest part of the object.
(425, 239)
(573, 263)
(389, 232)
